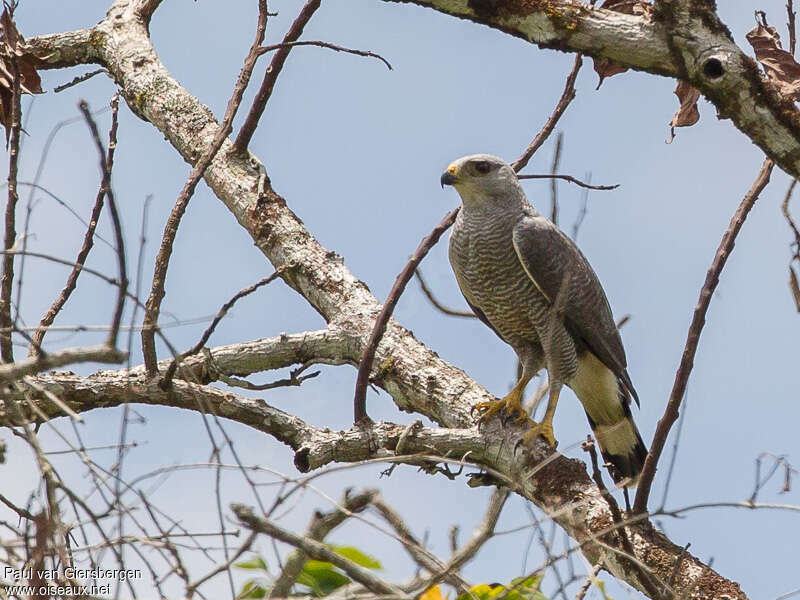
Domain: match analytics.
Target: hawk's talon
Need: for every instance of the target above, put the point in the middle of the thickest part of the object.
(509, 409)
(543, 430)
(518, 416)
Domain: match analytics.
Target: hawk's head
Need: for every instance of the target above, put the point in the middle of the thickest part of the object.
(481, 177)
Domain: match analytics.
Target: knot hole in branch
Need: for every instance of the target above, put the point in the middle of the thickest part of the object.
(713, 68)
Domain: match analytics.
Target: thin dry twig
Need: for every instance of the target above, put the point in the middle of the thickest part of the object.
(794, 286)
(571, 179)
(153, 305)
(319, 528)
(88, 239)
(271, 76)
(672, 410)
(7, 280)
(482, 533)
(329, 46)
(553, 183)
(246, 545)
(315, 550)
(105, 186)
(791, 21)
(416, 549)
(78, 79)
(295, 379)
(644, 578)
(439, 306)
(566, 97)
(364, 368)
(576, 226)
(590, 578)
(165, 383)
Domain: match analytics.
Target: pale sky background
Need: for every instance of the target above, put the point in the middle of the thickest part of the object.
(357, 151)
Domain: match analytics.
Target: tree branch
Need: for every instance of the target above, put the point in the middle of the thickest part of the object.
(319, 528)
(672, 410)
(315, 550)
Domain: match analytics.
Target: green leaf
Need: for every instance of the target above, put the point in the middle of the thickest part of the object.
(482, 592)
(358, 557)
(527, 587)
(322, 578)
(252, 589)
(254, 563)
(521, 588)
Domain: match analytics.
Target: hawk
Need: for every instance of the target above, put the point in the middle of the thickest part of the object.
(529, 282)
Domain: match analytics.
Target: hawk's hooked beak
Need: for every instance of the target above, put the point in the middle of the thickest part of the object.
(448, 177)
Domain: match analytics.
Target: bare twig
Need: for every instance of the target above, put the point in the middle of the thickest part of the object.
(571, 179)
(590, 578)
(482, 533)
(105, 168)
(153, 306)
(329, 46)
(77, 80)
(576, 226)
(315, 550)
(364, 368)
(693, 338)
(246, 545)
(794, 286)
(439, 306)
(295, 379)
(7, 280)
(677, 566)
(271, 76)
(675, 447)
(566, 97)
(553, 183)
(37, 364)
(791, 21)
(644, 578)
(416, 550)
(88, 241)
(217, 318)
(319, 528)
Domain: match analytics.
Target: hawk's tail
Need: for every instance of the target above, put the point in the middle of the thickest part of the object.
(606, 398)
(621, 446)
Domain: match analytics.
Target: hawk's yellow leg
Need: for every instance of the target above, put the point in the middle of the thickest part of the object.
(509, 408)
(545, 428)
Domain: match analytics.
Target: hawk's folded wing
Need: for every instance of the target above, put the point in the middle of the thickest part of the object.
(548, 256)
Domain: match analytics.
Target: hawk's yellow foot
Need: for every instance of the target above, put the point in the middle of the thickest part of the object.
(509, 408)
(543, 429)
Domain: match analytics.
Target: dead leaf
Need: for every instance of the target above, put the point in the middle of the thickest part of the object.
(687, 114)
(779, 65)
(603, 66)
(11, 59)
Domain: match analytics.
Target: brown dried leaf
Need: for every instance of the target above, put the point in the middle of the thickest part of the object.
(687, 114)
(11, 37)
(11, 58)
(779, 65)
(603, 66)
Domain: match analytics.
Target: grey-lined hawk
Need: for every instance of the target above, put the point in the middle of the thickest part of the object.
(529, 282)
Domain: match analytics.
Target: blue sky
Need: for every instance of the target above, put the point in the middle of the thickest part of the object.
(357, 151)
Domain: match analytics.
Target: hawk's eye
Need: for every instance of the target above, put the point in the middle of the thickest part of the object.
(483, 167)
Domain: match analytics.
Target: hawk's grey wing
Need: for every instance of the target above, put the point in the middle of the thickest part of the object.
(547, 256)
